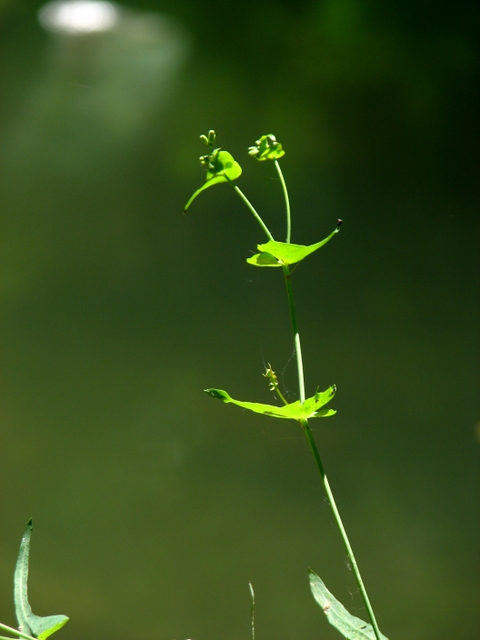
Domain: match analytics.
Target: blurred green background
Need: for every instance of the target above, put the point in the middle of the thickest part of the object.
(154, 505)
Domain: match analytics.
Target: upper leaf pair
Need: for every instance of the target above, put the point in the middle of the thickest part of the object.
(221, 166)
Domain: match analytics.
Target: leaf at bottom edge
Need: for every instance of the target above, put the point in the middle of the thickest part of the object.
(349, 626)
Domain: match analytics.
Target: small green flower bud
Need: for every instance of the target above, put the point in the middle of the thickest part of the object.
(267, 148)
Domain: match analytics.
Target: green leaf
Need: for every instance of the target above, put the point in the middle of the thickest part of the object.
(311, 408)
(36, 626)
(207, 184)
(349, 626)
(264, 259)
(221, 163)
(221, 167)
(277, 254)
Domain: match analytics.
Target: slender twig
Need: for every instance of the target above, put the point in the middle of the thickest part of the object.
(252, 208)
(318, 461)
(287, 200)
(16, 632)
(280, 395)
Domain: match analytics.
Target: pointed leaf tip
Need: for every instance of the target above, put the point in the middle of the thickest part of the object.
(37, 626)
(276, 254)
(218, 394)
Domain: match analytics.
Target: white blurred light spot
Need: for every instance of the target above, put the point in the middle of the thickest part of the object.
(78, 16)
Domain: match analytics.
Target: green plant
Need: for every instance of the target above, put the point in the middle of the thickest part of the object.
(221, 167)
(30, 626)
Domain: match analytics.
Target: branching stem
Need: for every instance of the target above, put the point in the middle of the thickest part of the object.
(301, 384)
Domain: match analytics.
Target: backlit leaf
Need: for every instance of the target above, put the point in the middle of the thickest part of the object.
(311, 408)
(276, 254)
(221, 167)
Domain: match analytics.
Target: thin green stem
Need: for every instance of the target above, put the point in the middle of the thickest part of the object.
(318, 461)
(287, 200)
(280, 395)
(16, 632)
(296, 335)
(252, 209)
(341, 528)
(273, 383)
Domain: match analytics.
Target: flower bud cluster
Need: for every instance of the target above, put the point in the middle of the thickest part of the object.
(266, 148)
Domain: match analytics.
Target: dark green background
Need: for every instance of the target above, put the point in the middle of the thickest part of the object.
(154, 505)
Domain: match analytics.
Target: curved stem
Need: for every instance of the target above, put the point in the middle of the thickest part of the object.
(280, 395)
(311, 441)
(287, 200)
(252, 209)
